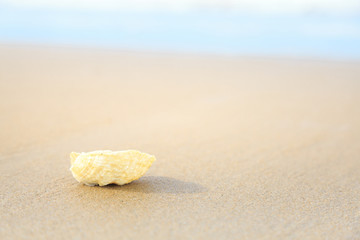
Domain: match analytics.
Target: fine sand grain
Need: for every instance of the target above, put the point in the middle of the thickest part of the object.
(246, 148)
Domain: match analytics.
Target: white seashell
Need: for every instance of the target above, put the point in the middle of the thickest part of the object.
(106, 167)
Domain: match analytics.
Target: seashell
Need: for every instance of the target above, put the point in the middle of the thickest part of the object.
(105, 167)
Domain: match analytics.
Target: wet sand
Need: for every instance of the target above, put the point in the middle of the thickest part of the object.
(247, 148)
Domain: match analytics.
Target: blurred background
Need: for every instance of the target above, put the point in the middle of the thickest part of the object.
(303, 28)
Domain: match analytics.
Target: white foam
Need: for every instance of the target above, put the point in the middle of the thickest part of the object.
(249, 6)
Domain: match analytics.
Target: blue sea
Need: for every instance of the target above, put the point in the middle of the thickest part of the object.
(220, 32)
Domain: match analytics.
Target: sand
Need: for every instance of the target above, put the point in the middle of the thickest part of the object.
(247, 148)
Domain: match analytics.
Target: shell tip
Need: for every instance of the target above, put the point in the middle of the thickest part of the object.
(73, 156)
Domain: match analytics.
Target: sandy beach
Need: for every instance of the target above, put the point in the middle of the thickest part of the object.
(247, 148)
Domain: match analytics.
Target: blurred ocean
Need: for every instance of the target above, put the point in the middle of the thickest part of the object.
(201, 31)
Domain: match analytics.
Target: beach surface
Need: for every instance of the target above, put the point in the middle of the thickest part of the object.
(247, 148)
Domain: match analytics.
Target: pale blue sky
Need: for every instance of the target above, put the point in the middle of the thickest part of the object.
(301, 30)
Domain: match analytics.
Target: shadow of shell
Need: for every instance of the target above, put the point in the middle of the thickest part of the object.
(159, 184)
